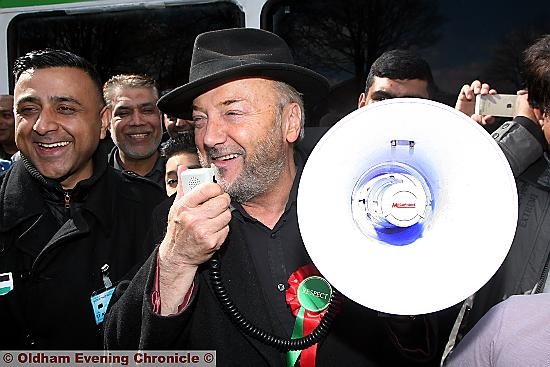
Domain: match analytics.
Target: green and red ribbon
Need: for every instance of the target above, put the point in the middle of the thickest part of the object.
(308, 296)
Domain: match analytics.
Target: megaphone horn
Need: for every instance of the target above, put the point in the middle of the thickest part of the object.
(420, 206)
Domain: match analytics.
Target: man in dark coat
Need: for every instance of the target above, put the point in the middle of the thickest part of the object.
(248, 120)
(70, 225)
(526, 267)
(248, 115)
(525, 270)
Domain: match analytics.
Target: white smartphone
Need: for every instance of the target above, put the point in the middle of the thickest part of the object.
(195, 176)
(502, 105)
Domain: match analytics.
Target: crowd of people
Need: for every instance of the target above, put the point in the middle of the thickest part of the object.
(105, 250)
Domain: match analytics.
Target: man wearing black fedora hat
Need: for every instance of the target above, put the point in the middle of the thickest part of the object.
(231, 272)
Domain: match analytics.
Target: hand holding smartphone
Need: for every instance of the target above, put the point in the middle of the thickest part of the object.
(502, 105)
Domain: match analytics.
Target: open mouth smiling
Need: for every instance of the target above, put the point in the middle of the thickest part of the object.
(225, 157)
(53, 145)
(138, 135)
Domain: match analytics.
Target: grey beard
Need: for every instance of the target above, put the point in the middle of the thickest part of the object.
(261, 170)
(256, 178)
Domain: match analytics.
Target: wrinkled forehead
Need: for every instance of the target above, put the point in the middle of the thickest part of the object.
(252, 90)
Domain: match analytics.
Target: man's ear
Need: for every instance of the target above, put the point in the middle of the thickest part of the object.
(541, 117)
(362, 100)
(105, 121)
(292, 120)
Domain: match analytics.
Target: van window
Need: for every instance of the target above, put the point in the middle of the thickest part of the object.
(157, 42)
(463, 40)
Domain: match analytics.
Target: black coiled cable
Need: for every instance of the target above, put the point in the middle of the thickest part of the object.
(263, 336)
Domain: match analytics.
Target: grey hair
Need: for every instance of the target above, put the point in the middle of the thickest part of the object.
(288, 94)
(127, 81)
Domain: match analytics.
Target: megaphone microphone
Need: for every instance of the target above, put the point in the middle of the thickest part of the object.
(422, 210)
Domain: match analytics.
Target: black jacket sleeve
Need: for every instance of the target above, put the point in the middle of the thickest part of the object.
(522, 142)
(131, 323)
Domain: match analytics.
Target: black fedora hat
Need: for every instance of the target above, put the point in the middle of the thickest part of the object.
(225, 55)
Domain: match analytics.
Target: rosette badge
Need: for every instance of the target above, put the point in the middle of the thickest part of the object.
(308, 296)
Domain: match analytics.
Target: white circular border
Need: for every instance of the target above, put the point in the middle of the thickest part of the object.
(467, 237)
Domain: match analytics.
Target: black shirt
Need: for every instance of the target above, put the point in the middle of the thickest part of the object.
(276, 253)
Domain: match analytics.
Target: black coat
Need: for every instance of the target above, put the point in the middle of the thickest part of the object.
(522, 142)
(528, 261)
(57, 267)
(358, 336)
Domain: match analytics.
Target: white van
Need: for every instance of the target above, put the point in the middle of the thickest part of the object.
(462, 39)
(153, 37)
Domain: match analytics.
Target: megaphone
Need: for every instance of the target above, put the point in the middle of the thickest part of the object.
(407, 206)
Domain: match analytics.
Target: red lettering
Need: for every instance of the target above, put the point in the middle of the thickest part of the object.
(403, 205)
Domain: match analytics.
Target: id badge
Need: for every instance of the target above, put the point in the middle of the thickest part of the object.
(6, 283)
(100, 302)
